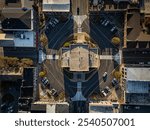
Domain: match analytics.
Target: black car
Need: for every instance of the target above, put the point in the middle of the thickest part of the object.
(114, 82)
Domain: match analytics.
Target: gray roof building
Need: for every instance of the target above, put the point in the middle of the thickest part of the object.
(56, 5)
(137, 85)
(16, 19)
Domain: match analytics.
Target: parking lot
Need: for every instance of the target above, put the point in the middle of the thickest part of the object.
(101, 32)
(58, 31)
(103, 27)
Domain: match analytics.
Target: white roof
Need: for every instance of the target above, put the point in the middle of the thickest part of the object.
(56, 5)
(138, 74)
(56, 1)
(27, 41)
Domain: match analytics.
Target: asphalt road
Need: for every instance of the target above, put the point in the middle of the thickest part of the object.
(79, 7)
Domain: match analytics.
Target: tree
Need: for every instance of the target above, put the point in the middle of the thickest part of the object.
(43, 40)
(116, 40)
(2, 62)
(66, 44)
(12, 61)
(26, 62)
(117, 74)
(42, 73)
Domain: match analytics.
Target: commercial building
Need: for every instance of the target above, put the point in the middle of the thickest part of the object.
(136, 82)
(56, 6)
(80, 57)
(17, 24)
(46, 107)
(103, 107)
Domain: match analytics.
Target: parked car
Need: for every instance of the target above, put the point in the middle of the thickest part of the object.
(114, 82)
(3, 106)
(52, 92)
(57, 21)
(105, 91)
(45, 82)
(113, 29)
(52, 24)
(105, 76)
(106, 23)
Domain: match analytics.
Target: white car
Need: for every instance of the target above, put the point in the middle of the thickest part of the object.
(106, 23)
(52, 24)
(113, 29)
(105, 91)
(105, 74)
(56, 20)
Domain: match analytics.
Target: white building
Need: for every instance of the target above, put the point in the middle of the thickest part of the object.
(56, 5)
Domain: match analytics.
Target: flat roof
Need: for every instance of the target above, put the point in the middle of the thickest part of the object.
(133, 108)
(138, 74)
(137, 87)
(79, 58)
(25, 39)
(101, 107)
(56, 5)
(16, 3)
(18, 39)
(147, 6)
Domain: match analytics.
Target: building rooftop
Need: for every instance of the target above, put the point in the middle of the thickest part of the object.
(132, 108)
(135, 31)
(137, 87)
(16, 3)
(138, 74)
(146, 6)
(79, 57)
(101, 107)
(50, 107)
(16, 19)
(18, 39)
(56, 5)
